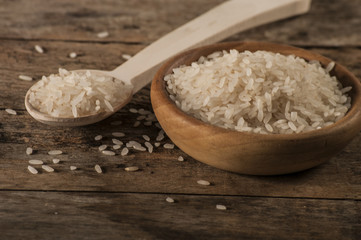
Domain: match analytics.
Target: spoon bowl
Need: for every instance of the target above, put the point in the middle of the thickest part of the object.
(251, 153)
(78, 121)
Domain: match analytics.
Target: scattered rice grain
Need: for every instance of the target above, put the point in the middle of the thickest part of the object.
(98, 137)
(47, 168)
(102, 147)
(124, 152)
(117, 142)
(32, 170)
(55, 152)
(221, 207)
(126, 56)
(131, 169)
(109, 153)
(168, 146)
(203, 182)
(180, 158)
(56, 160)
(146, 138)
(118, 134)
(29, 151)
(35, 162)
(10, 111)
(103, 34)
(73, 55)
(39, 49)
(149, 146)
(170, 200)
(98, 169)
(25, 78)
(116, 147)
(72, 168)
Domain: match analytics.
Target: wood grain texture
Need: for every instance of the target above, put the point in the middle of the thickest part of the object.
(138, 21)
(321, 203)
(52, 215)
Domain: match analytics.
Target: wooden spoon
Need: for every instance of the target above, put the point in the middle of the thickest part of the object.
(251, 153)
(219, 23)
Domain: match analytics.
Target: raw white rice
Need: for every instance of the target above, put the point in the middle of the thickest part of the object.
(55, 152)
(170, 200)
(136, 124)
(47, 168)
(10, 111)
(32, 170)
(157, 144)
(77, 94)
(109, 153)
(29, 151)
(124, 152)
(56, 160)
(146, 138)
(98, 137)
(168, 146)
(203, 182)
(102, 147)
(25, 78)
(73, 55)
(260, 92)
(131, 169)
(221, 207)
(115, 147)
(117, 142)
(39, 49)
(98, 169)
(103, 34)
(126, 56)
(180, 158)
(72, 168)
(35, 162)
(149, 146)
(118, 134)
(160, 136)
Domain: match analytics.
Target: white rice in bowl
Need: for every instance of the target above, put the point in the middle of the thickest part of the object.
(260, 92)
(77, 94)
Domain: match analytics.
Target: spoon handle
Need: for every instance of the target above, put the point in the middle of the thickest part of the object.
(219, 23)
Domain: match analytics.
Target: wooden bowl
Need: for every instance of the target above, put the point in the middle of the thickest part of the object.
(250, 153)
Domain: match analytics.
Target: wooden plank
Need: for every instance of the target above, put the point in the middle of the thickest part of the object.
(145, 21)
(57, 215)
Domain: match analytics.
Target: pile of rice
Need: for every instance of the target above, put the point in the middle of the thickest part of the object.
(260, 92)
(72, 94)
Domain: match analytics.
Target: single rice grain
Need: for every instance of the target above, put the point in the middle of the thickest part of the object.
(29, 151)
(10, 111)
(203, 182)
(32, 170)
(131, 169)
(35, 162)
(47, 168)
(98, 169)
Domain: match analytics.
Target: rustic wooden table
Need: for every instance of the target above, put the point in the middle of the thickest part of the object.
(320, 203)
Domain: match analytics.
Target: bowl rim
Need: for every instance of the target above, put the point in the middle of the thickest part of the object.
(353, 114)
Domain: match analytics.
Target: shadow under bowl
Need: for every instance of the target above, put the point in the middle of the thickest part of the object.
(251, 153)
